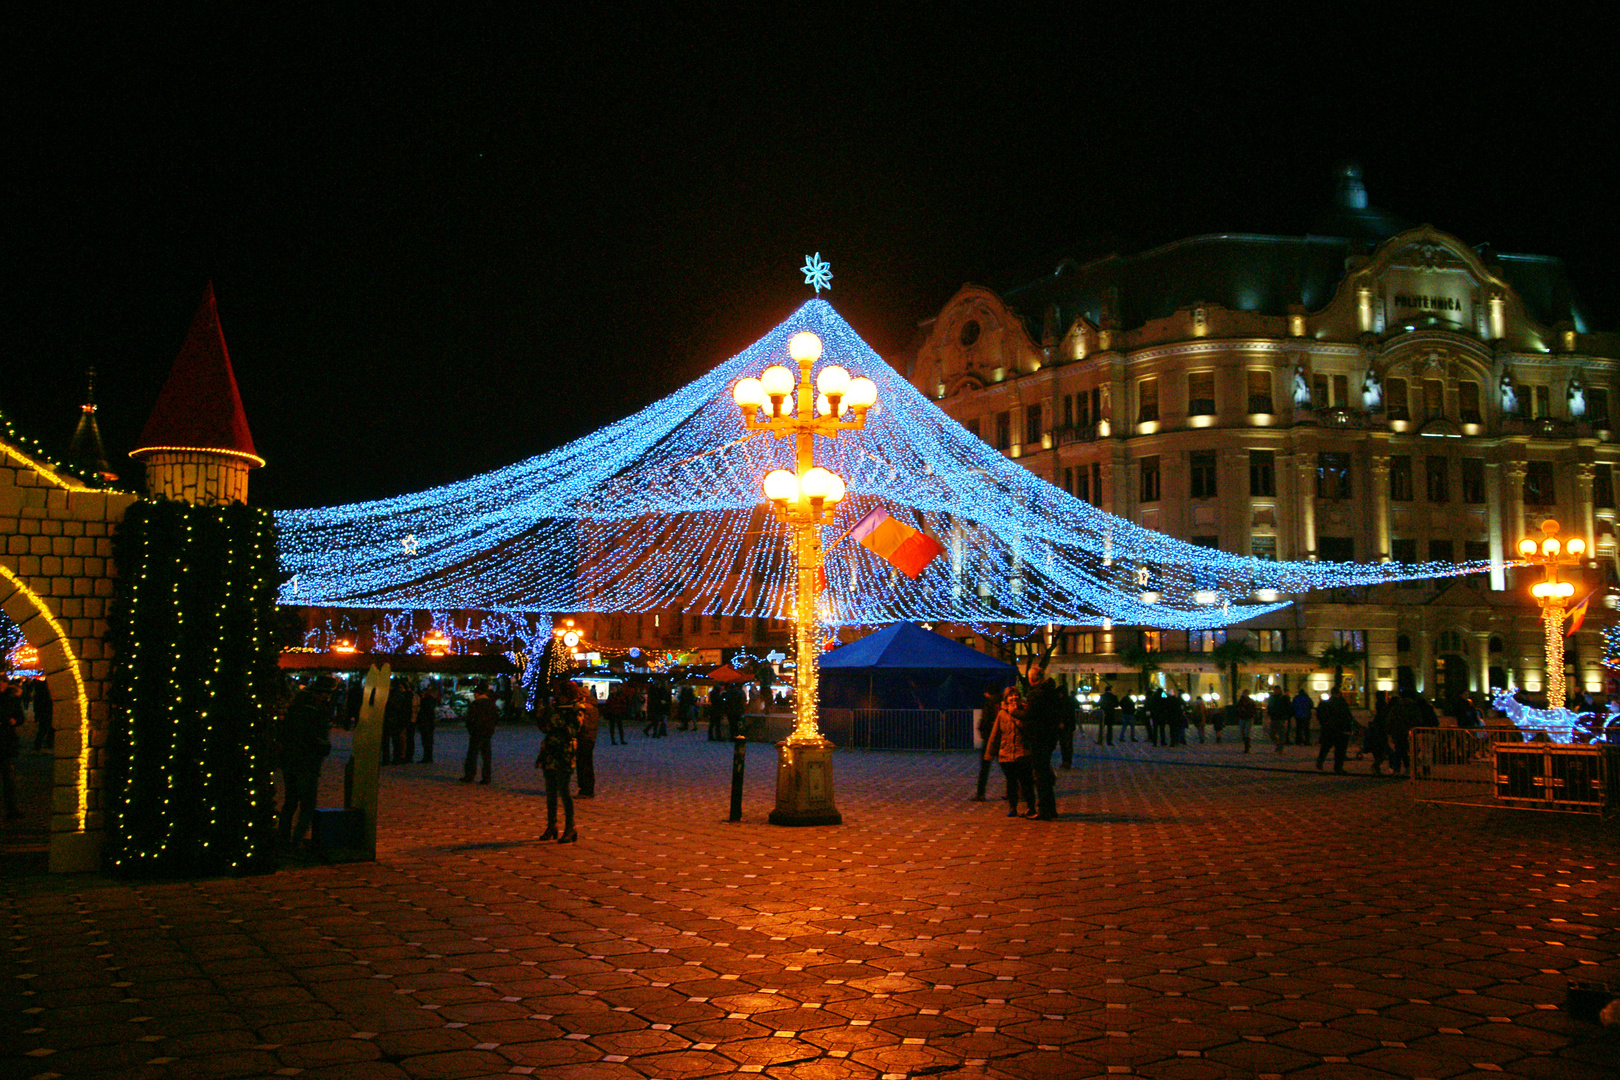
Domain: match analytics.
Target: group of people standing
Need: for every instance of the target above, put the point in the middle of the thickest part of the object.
(1026, 729)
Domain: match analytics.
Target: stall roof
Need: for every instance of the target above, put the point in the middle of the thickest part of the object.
(908, 647)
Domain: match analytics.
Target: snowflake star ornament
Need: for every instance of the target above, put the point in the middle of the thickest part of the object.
(817, 273)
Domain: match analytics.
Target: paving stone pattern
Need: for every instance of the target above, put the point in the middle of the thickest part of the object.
(1195, 913)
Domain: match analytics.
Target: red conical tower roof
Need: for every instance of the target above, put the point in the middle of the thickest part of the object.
(200, 408)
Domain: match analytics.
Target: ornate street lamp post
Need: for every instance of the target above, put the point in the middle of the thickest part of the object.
(1553, 596)
(805, 500)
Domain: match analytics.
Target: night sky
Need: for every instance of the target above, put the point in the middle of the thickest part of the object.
(441, 247)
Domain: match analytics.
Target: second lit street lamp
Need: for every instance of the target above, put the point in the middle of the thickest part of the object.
(805, 499)
(1553, 596)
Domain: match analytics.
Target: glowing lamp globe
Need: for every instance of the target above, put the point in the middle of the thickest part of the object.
(777, 381)
(1576, 545)
(1540, 588)
(833, 381)
(1566, 589)
(804, 347)
(1550, 546)
(781, 486)
(824, 406)
(816, 482)
(836, 490)
(749, 394)
(862, 393)
(1527, 547)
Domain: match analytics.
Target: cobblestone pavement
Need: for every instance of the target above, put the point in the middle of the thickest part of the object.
(1194, 913)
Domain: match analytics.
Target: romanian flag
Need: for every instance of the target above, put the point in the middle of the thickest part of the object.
(896, 542)
(1577, 614)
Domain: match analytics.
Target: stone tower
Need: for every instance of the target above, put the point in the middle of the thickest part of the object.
(196, 445)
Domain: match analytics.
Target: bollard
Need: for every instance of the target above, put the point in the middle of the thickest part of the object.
(739, 758)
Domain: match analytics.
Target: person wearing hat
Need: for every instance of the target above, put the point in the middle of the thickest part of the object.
(304, 741)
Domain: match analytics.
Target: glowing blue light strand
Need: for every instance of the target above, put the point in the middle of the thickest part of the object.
(664, 509)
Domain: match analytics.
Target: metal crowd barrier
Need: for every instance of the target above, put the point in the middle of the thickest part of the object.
(1507, 767)
(899, 729)
(1457, 765)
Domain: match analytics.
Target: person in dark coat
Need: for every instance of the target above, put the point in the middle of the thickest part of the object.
(11, 718)
(617, 706)
(1302, 718)
(987, 720)
(1042, 720)
(1070, 721)
(731, 700)
(427, 719)
(590, 722)
(481, 718)
(559, 723)
(396, 718)
(44, 715)
(1107, 713)
(1333, 717)
(1280, 711)
(304, 738)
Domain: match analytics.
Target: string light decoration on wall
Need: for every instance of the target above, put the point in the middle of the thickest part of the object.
(191, 787)
(664, 507)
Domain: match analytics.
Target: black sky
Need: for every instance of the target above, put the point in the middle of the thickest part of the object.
(443, 246)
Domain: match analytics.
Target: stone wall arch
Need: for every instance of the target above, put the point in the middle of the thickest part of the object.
(56, 578)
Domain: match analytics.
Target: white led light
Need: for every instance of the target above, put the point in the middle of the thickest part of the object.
(663, 508)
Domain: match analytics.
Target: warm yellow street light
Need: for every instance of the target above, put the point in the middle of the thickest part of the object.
(1553, 595)
(805, 499)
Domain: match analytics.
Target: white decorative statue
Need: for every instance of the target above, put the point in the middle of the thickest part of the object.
(1302, 388)
(1510, 399)
(1372, 391)
(1577, 397)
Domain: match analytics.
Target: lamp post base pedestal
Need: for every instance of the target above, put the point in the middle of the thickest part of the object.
(804, 786)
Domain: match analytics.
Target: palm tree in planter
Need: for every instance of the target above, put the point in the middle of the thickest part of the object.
(1143, 660)
(1339, 657)
(1232, 654)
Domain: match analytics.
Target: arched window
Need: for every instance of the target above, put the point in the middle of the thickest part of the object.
(1495, 645)
(1449, 641)
(1403, 643)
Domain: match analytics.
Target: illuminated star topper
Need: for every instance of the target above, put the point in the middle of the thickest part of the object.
(817, 273)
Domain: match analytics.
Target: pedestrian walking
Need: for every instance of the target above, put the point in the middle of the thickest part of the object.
(481, 720)
(1280, 713)
(559, 723)
(1406, 711)
(1200, 716)
(658, 705)
(1127, 718)
(1007, 746)
(731, 701)
(11, 719)
(303, 740)
(1336, 723)
(396, 717)
(1244, 714)
(614, 709)
(1375, 739)
(1302, 718)
(1107, 713)
(1042, 718)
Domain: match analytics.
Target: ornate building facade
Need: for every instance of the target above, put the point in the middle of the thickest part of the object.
(1371, 391)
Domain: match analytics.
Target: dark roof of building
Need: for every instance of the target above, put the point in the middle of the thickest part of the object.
(200, 407)
(1259, 273)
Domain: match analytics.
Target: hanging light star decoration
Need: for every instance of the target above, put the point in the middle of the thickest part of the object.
(409, 543)
(664, 508)
(817, 273)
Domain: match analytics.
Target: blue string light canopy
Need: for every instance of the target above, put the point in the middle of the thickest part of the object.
(666, 509)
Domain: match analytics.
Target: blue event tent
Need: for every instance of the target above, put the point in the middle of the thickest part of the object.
(906, 667)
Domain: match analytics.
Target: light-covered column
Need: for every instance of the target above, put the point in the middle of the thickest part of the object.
(1305, 486)
(1378, 470)
(1585, 525)
(1493, 525)
(1423, 676)
(1482, 665)
(1513, 528)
